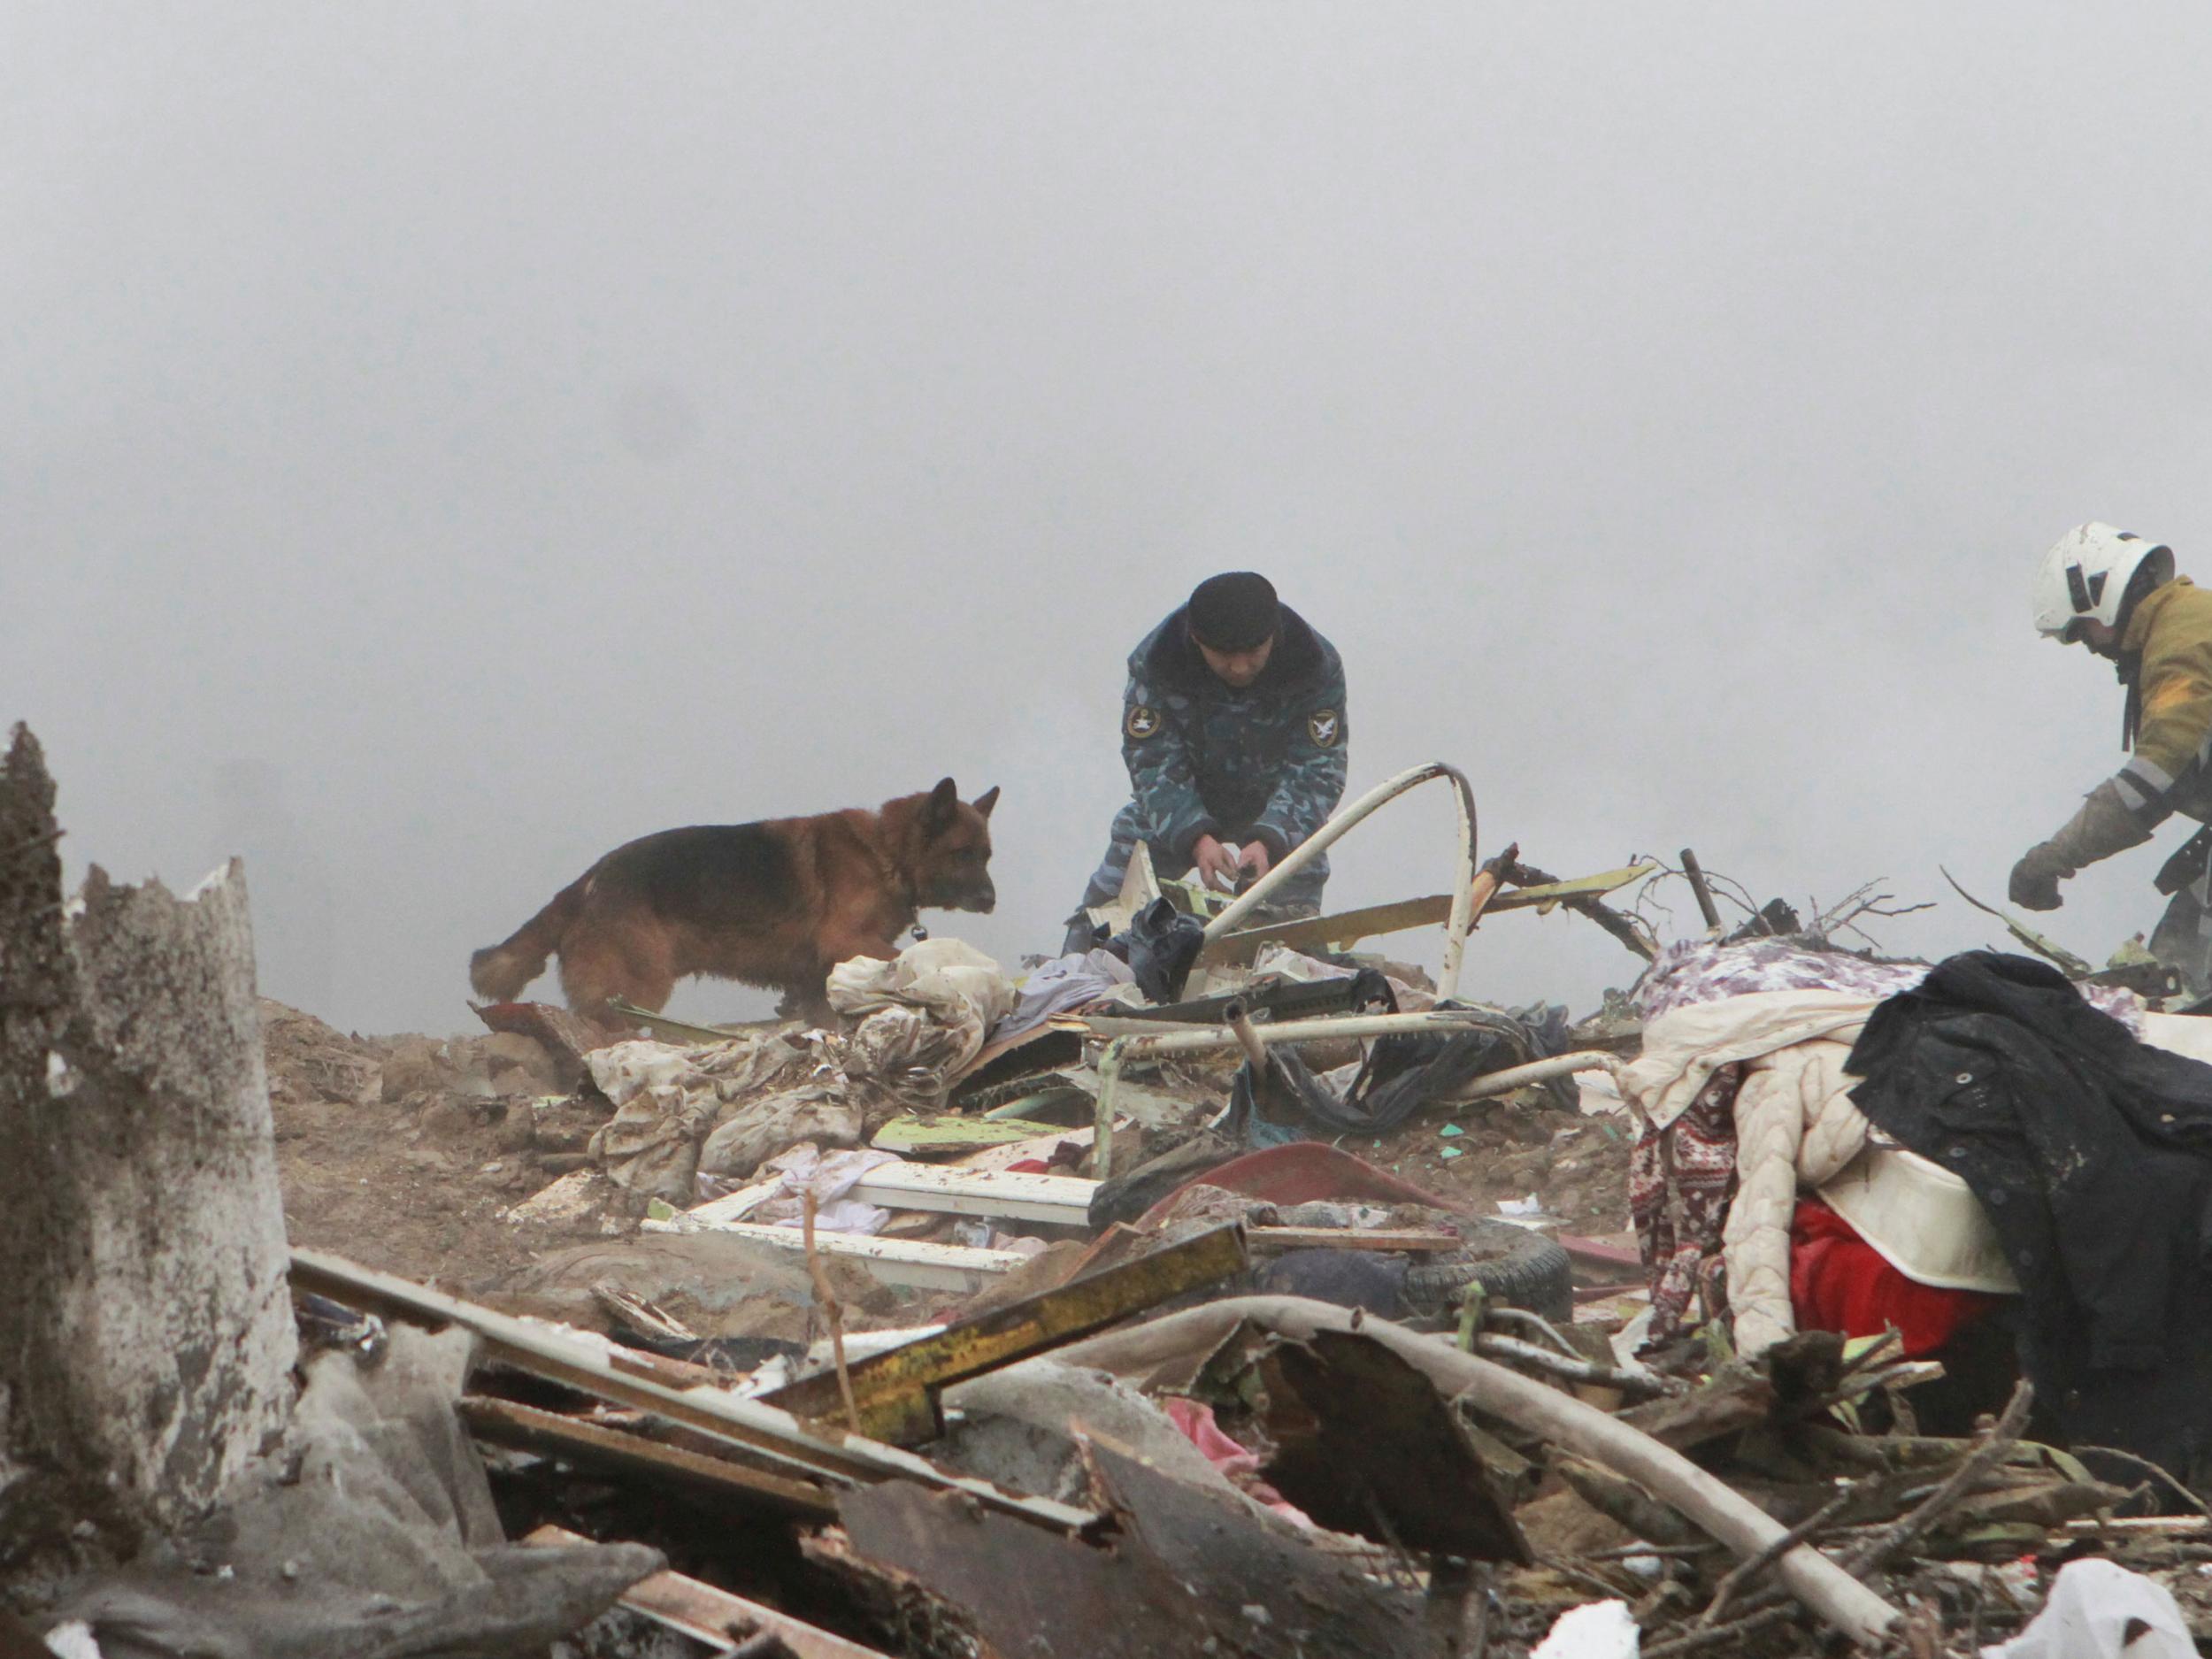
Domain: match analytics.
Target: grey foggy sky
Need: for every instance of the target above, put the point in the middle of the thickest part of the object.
(492, 432)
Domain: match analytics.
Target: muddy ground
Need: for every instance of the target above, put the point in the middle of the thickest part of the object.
(403, 1154)
(408, 1154)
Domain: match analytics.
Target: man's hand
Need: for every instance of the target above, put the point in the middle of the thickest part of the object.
(1252, 857)
(2035, 879)
(1215, 865)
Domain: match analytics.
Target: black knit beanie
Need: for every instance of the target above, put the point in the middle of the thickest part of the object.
(1234, 611)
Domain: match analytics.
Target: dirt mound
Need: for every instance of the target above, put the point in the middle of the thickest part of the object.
(403, 1154)
(1509, 1149)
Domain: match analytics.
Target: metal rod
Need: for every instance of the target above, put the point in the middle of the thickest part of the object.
(1535, 1072)
(1703, 888)
(1199, 1039)
(1345, 818)
(1102, 1120)
(1248, 1038)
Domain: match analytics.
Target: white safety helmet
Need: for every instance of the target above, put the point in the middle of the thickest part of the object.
(2086, 575)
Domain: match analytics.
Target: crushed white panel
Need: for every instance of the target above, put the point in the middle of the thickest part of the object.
(894, 1261)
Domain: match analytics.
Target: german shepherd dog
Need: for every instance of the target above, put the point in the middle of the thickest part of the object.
(777, 903)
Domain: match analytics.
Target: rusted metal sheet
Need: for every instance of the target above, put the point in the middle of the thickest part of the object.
(594, 1446)
(895, 1390)
(1364, 1444)
(716, 1617)
(756, 1431)
(1189, 1572)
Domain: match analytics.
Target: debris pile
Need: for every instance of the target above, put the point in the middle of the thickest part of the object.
(1194, 1292)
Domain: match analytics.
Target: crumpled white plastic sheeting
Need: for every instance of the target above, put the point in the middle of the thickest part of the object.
(1596, 1630)
(922, 1016)
(2098, 1610)
(806, 1169)
(668, 1098)
(721, 1072)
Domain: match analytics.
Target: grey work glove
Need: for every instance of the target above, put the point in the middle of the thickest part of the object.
(2102, 828)
(2035, 879)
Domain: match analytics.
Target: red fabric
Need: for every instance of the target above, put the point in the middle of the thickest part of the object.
(1241, 1467)
(1840, 1282)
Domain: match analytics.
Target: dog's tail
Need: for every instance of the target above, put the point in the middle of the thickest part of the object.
(500, 971)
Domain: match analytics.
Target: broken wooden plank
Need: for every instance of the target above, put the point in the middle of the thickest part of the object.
(1737, 1397)
(895, 1390)
(1063, 1200)
(1631, 934)
(718, 1617)
(1350, 1239)
(1322, 932)
(1541, 897)
(959, 1189)
(676, 1373)
(1597, 1253)
(756, 1431)
(894, 1261)
(951, 1137)
(596, 1446)
(568, 1037)
(735, 1206)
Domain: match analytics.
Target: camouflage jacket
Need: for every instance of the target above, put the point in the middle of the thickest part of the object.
(1205, 759)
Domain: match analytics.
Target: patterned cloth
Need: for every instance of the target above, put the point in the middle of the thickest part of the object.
(1702, 971)
(1681, 1180)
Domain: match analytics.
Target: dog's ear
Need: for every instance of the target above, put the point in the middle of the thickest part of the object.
(988, 799)
(944, 801)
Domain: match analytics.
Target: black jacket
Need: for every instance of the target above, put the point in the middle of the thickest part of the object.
(2093, 1155)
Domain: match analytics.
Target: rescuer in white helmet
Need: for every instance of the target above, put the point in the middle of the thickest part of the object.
(2118, 593)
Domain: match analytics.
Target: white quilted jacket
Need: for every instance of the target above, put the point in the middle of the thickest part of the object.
(1794, 1125)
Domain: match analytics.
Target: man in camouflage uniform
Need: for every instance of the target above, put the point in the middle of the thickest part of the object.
(1233, 730)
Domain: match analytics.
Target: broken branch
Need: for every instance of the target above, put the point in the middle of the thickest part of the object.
(1751, 1566)
(1931, 1508)
(833, 1311)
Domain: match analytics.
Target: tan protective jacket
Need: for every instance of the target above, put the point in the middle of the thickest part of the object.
(2166, 659)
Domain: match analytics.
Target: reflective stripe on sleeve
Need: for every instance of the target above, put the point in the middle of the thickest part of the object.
(2143, 786)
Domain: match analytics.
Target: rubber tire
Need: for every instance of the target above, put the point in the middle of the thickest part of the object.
(1517, 1268)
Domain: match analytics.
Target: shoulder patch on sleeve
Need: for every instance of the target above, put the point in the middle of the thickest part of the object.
(1324, 726)
(1142, 721)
